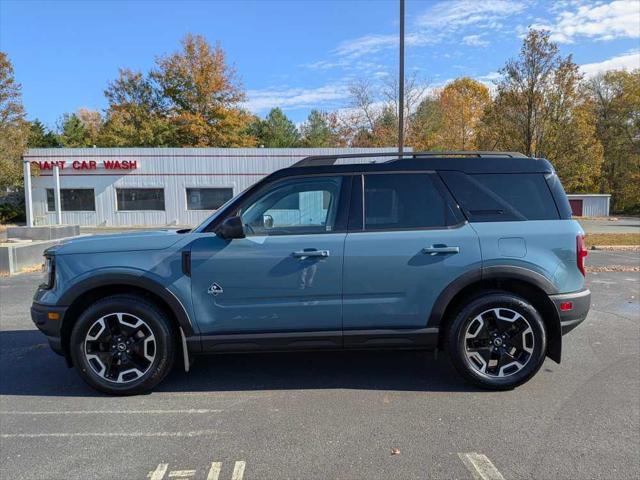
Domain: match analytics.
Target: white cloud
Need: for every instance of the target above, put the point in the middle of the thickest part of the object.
(432, 26)
(475, 41)
(453, 15)
(292, 98)
(628, 61)
(617, 19)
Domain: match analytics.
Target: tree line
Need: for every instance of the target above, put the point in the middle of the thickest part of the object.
(541, 105)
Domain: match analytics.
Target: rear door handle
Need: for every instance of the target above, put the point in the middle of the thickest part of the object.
(311, 253)
(433, 250)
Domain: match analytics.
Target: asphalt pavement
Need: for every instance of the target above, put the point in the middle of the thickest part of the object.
(331, 415)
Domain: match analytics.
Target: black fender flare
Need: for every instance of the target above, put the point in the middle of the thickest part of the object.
(504, 272)
(133, 279)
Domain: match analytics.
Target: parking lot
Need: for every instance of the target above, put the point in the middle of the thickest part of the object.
(372, 415)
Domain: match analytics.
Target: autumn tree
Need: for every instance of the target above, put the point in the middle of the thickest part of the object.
(275, 131)
(425, 125)
(202, 96)
(616, 98)
(13, 127)
(539, 110)
(136, 115)
(461, 106)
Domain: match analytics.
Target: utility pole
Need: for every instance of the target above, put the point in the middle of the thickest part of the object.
(401, 84)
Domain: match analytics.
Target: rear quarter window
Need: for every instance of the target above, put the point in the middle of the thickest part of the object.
(501, 197)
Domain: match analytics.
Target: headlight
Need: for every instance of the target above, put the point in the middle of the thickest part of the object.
(49, 271)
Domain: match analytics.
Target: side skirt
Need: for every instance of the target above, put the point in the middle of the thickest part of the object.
(422, 338)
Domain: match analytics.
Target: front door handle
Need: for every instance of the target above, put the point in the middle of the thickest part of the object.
(311, 253)
(434, 250)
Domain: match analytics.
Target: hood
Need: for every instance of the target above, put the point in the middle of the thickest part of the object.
(119, 242)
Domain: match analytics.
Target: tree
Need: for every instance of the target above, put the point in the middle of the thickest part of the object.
(136, 115)
(616, 98)
(42, 137)
(73, 132)
(317, 131)
(540, 110)
(373, 112)
(276, 130)
(462, 104)
(13, 127)
(202, 96)
(425, 126)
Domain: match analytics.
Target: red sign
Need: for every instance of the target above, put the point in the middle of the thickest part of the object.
(88, 164)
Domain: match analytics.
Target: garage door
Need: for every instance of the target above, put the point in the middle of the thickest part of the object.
(576, 207)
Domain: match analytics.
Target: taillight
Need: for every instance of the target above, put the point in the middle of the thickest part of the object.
(581, 252)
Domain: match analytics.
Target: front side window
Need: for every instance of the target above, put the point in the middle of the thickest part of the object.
(404, 201)
(207, 198)
(294, 207)
(73, 200)
(140, 198)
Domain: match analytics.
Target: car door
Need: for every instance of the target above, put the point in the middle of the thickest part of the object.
(412, 242)
(285, 277)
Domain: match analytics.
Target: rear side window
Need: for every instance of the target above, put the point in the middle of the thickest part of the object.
(502, 197)
(404, 201)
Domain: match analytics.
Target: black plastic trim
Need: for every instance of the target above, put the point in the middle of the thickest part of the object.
(279, 341)
(581, 304)
(391, 338)
(519, 273)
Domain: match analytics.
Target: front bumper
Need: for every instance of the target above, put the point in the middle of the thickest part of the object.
(50, 328)
(570, 319)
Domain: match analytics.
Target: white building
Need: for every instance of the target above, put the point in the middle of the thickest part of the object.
(149, 186)
(590, 204)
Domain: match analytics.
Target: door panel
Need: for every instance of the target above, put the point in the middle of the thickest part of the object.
(265, 288)
(286, 275)
(412, 242)
(390, 283)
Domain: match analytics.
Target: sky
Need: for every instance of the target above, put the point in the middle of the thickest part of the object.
(297, 54)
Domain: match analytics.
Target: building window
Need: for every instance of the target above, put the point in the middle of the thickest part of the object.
(140, 199)
(207, 198)
(73, 200)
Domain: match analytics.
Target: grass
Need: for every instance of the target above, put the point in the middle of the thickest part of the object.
(592, 239)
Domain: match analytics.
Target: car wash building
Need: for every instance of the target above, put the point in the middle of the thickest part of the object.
(122, 187)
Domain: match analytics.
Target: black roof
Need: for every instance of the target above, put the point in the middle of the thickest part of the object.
(467, 162)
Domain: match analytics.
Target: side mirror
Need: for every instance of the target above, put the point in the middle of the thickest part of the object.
(231, 228)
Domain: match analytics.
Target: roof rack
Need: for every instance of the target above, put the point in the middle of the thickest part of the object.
(321, 160)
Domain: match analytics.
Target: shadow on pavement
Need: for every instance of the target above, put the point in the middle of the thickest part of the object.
(28, 367)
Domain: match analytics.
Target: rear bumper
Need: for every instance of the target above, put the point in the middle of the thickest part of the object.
(50, 328)
(570, 319)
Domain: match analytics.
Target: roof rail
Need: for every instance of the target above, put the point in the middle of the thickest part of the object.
(320, 160)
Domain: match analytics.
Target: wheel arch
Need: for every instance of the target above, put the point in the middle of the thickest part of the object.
(528, 284)
(83, 294)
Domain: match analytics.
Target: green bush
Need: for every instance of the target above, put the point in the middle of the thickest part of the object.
(12, 213)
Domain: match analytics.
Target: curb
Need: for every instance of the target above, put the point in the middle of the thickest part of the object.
(620, 248)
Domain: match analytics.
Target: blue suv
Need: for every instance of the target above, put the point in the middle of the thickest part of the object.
(472, 252)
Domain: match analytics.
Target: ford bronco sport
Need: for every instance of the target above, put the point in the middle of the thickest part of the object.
(472, 252)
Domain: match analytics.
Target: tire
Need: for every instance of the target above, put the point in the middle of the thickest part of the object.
(123, 345)
(497, 341)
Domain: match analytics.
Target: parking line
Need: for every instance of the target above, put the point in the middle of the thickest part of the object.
(196, 433)
(113, 412)
(480, 466)
(238, 470)
(158, 473)
(214, 471)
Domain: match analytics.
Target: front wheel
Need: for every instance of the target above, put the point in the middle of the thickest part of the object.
(497, 341)
(122, 345)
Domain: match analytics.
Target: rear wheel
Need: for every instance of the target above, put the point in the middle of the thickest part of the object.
(497, 341)
(122, 345)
